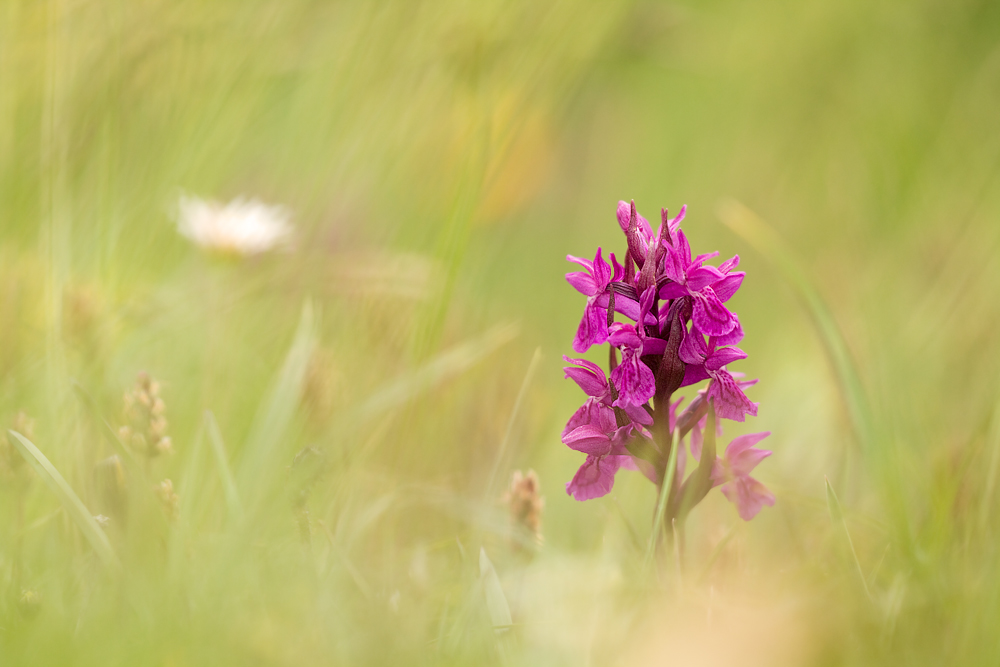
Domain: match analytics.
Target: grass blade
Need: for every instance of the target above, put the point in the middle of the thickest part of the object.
(496, 601)
(502, 450)
(70, 501)
(277, 410)
(222, 461)
(837, 515)
(443, 366)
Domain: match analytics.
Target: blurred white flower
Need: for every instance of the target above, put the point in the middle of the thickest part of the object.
(241, 227)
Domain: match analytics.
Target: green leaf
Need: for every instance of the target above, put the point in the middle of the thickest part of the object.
(70, 501)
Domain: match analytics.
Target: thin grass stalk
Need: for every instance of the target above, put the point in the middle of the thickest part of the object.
(502, 450)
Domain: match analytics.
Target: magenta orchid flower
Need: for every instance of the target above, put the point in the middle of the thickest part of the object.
(707, 286)
(707, 361)
(596, 433)
(634, 379)
(732, 472)
(678, 332)
(596, 476)
(592, 283)
(594, 382)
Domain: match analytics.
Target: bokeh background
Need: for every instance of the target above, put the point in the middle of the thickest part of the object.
(370, 390)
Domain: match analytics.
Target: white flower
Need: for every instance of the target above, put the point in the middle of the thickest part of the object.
(241, 227)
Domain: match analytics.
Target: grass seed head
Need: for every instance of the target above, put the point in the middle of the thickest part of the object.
(145, 430)
(525, 502)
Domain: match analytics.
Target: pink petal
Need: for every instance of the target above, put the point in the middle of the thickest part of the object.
(700, 259)
(626, 463)
(619, 269)
(634, 380)
(733, 337)
(594, 478)
(593, 329)
(602, 271)
(672, 290)
(681, 465)
(580, 417)
(638, 414)
(744, 464)
(730, 264)
(583, 283)
(693, 349)
(623, 213)
(702, 277)
(589, 365)
(585, 263)
(683, 249)
(674, 265)
(655, 346)
(693, 374)
(624, 335)
(591, 383)
(646, 301)
(624, 305)
(672, 412)
(697, 440)
(744, 442)
(730, 401)
(726, 288)
(709, 315)
(588, 439)
(749, 496)
(676, 222)
(592, 412)
(722, 356)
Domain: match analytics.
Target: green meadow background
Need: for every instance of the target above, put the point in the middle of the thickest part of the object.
(346, 414)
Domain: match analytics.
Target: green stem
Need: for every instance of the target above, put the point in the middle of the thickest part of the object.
(666, 488)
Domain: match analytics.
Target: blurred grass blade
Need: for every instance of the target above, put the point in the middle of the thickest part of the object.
(496, 601)
(277, 410)
(993, 446)
(441, 367)
(502, 450)
(70, 501)
(222, 461)
(752, 229)
(837, 515)
(832, 503)
(716, 552)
